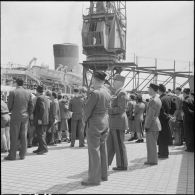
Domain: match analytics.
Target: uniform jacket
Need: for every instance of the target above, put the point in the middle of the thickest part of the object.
(20, 103)
(76, 106)
(139, 111)
(152, 121)
(64, 112)
(117, 112)
(42, 109)
(96, 110)
(55, 111)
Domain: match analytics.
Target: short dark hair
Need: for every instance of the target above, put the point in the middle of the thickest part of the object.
(76, 90)
(19, 81)
(48, 93)
(139, 98)
(132, 97)
(178, 88)
(54, 94)
(59, 96)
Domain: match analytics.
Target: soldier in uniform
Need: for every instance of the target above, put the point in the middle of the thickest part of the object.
(76, 106)
(152, 125)
(118, 125)
(96, 117)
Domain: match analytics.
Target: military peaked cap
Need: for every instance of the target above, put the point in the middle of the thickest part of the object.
(118, 77)
(153, 86)
(100, 75)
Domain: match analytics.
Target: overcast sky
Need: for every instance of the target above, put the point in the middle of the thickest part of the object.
(163, 30)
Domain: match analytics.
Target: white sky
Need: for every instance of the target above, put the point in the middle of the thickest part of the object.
(163, 29)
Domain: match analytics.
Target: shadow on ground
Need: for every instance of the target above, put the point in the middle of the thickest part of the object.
(64, 188)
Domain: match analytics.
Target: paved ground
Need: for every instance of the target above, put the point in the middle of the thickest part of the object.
(63, 168)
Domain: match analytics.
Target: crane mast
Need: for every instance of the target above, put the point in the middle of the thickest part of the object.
(104, 36)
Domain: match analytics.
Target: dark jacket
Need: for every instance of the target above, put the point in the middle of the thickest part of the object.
(20, 103)
(76, 106)
(164, 117)
(55, 111)
(42, 109)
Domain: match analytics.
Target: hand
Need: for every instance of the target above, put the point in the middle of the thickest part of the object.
(39, 122)
(55, 121)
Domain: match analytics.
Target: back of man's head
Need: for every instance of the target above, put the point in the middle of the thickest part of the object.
(19, 82)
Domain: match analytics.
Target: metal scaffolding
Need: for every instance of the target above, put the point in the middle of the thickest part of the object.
(134, 71)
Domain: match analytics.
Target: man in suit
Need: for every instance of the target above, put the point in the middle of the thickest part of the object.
(41, 120)
(54, 117)
(152, 125)
(165, 134)
(21, 107)
(96, 118)
(188, 109)
(76, 106)
(118, 125)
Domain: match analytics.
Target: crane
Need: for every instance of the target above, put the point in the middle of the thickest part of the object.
(104, 37)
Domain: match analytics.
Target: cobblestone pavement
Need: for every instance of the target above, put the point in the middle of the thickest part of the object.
(62, 169)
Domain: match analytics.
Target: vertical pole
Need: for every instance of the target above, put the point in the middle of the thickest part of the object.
(189, 67)
(155, 78)
(174, 78)
(138, 82)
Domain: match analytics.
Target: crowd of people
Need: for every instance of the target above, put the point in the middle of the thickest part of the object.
(102, 115)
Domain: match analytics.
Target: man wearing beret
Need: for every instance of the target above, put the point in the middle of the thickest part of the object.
(118, 125)
(76, 107)
(152, 125)
(96, 118)
(188, 109)
(41, 119)
(165, 134)
(21, 106)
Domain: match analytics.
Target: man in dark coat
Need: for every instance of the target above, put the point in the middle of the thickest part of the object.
(76, 106)
(41, 120)
(21, 106)
(188, 109)
(165, 134)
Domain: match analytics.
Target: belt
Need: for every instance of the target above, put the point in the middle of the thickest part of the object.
(4, 113)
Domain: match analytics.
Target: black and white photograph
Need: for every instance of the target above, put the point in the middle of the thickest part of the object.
(97, 97)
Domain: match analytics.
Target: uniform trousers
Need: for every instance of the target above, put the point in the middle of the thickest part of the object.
(18, 128)
(77, 125)
(41, 136)
(98, 160)
(115, 145)
(151, 145)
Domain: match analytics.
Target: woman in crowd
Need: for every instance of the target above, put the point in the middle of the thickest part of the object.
(5, 124)
(139, 117)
